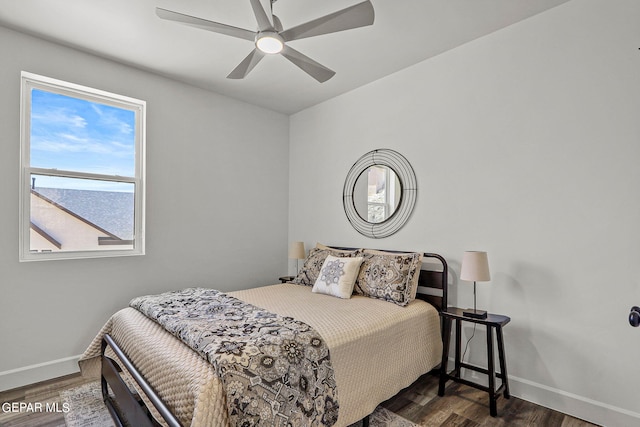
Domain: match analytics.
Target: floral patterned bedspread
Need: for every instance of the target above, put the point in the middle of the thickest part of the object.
(276, 371)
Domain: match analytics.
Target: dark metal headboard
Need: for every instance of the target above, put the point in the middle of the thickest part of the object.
(432, 284)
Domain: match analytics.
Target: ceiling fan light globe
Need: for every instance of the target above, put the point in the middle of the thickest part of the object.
(269, 42)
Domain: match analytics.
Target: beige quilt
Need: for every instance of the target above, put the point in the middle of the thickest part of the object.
(364, 336)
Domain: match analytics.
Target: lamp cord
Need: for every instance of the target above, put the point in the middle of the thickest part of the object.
(469, 340)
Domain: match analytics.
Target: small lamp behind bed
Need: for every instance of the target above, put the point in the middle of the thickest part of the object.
(475, 268)
(296, 251)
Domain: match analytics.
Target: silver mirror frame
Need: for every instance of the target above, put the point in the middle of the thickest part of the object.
(408, 194)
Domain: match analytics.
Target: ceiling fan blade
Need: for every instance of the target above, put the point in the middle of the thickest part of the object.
(264, 23)
(277, 24)
(204, 24)
(308, 65)
(247, 64)
(359, 15)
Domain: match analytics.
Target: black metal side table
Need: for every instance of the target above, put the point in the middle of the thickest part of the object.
(285, 279)
(492, 321)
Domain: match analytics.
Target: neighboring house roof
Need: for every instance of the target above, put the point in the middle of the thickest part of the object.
(111, 212)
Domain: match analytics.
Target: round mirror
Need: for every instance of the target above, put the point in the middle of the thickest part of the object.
(379, 193)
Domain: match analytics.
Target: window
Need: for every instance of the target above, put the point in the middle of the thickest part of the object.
(82, 172)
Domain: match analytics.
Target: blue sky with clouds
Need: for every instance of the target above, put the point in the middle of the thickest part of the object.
(81, 136)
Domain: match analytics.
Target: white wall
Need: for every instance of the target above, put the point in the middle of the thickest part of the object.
(216, 197)
(526, 144)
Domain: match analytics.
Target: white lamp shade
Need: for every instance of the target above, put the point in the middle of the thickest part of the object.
(296, 250)
(475, 267)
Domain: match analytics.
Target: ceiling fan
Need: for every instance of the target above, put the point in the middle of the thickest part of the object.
(270, 38)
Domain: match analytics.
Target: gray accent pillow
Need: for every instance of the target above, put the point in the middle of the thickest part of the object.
(389, 276)
(309, 272)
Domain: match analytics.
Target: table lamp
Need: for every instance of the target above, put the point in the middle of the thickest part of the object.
(475, 268)
(296, 251)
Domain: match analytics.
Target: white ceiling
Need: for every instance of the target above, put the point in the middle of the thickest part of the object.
(405, 32)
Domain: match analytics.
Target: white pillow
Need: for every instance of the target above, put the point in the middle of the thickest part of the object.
(338, 276)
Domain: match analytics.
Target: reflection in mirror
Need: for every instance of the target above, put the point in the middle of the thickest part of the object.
(377, 194)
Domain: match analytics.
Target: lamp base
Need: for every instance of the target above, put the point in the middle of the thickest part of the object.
(476, 314)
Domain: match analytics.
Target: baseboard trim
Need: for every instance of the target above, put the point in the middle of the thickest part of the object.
(577, 406)
(31, 374)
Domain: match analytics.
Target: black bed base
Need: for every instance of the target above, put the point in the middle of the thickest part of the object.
(127, 409)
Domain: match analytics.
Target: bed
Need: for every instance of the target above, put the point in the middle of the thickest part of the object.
(150, 377)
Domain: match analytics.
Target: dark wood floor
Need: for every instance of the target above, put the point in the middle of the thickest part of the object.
(461, 406)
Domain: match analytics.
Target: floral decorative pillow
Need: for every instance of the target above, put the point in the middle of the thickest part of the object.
(389, 276)
(338, 276)
(308, 274)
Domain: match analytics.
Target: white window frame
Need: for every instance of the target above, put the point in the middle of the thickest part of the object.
(31, 81)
